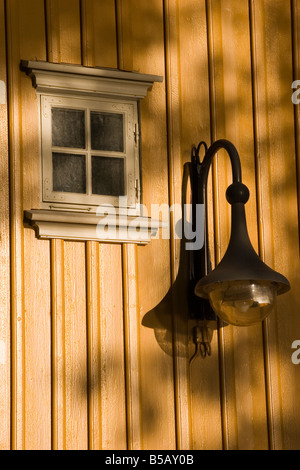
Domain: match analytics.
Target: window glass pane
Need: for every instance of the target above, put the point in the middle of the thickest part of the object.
(69, 173)
(108, 176)
(68, 128)
(107, 131)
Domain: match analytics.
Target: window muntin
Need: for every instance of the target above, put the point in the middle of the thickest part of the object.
(89, 152)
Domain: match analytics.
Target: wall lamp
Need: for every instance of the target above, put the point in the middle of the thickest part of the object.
(241, 290)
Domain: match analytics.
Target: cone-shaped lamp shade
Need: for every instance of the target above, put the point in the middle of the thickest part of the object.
(242, 289)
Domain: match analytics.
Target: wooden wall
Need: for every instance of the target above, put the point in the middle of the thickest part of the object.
(94, 343)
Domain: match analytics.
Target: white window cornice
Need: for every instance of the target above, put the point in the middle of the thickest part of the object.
(75, 226)
(76, 79)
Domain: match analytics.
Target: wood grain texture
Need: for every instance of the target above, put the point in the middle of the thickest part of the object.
(31, 378)
(132, 348)
(75, 335)
(4, 249)
(68, 262)
(107, 400)
(16, 234)
(198, 413)
(58, 345)
(99, 40)
(295, 17)
(107, 413)
(63, 25)
(195, 127)
(244, 425)
(143, 50)
(95, 339)
(278, 211)
(175, 146)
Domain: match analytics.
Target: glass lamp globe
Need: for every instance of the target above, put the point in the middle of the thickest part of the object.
(242, 303)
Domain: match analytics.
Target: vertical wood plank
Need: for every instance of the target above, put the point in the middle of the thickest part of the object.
(69, 327)
(99, 41)
(132, 348)
(58, 345)
(278, 211)
(195, 126)
(4, 248)
(129, 254)
(175, 147)
(57, 291)
(75, 335)
(200, 426)
(63, 24)
(107, 414)
(295, 11)
(141, 47)
(244, 417)
(16, 233)
(124, 35)
(94, 346)
(31, 399)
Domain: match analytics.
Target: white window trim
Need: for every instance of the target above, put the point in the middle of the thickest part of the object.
(67, 81)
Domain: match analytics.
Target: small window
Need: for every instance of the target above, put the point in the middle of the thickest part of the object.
(89, 152)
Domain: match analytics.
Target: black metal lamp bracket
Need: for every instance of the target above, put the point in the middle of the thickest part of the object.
(199, 260)
(240, 261)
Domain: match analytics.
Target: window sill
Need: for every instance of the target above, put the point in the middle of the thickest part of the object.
(76, 226)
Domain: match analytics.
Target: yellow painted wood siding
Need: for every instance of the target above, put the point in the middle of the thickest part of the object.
(95, 339)
(5, 334)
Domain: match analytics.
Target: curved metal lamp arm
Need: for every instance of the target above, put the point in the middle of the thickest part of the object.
(199, 177)
(200, 309)
(210, 152)
(200, 262)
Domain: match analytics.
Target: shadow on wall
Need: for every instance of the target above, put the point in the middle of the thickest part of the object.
(176, 306)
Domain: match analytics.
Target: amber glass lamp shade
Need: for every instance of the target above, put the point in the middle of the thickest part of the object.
(242, 303)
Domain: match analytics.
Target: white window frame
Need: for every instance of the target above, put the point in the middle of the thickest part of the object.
(79, 201)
